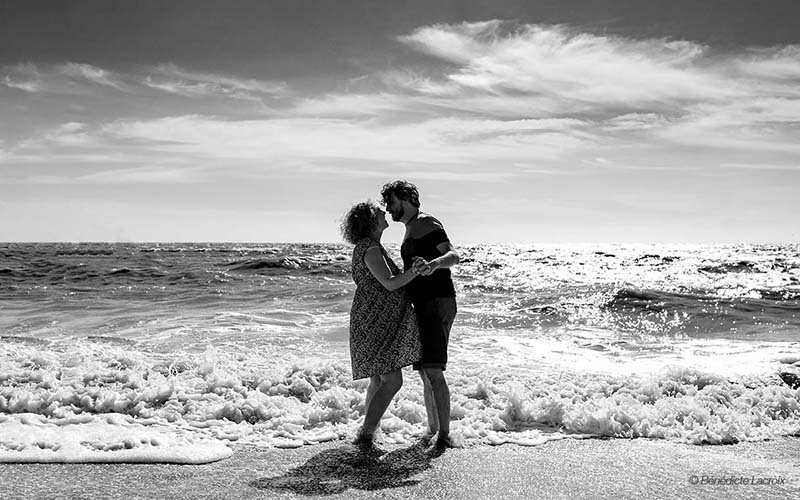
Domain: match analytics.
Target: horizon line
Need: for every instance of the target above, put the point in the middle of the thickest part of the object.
(265, 242)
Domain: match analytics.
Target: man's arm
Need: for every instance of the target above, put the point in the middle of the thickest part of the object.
(448, 259)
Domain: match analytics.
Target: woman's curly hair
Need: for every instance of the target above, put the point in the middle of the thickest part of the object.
(360, 221)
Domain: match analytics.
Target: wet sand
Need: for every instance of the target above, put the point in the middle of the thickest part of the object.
(570, 468)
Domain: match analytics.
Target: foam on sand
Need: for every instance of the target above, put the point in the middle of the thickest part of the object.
(103, 438)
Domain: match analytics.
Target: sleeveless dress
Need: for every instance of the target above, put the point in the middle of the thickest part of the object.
(383, 327)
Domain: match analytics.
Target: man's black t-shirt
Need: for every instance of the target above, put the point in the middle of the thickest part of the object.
(439, 283)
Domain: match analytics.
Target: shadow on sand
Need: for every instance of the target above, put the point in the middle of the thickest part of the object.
(337, 470)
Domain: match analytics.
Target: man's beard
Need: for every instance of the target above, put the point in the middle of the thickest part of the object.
(397, 216)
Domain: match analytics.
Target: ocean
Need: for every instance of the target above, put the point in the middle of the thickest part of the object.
(153, 352)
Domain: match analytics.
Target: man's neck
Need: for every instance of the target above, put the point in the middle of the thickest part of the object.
(412, 217)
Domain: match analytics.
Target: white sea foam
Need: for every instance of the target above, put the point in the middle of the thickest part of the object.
(105, 438)
(124, 398)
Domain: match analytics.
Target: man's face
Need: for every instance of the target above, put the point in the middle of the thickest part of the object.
(395, 207)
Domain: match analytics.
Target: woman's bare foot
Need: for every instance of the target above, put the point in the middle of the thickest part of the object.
(364, 439)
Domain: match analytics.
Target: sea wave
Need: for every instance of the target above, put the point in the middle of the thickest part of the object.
(698, 312)
(736, 313)
(656, 300)
(334, 266)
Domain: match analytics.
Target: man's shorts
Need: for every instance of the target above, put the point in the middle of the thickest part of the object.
(435, 318)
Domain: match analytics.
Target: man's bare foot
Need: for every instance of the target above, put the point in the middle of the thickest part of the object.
(443, 442)
(426, 437)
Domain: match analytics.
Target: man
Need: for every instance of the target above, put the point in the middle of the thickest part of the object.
(427, 249)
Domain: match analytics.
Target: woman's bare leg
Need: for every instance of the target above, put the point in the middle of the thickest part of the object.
(374, 385)
(380, 400)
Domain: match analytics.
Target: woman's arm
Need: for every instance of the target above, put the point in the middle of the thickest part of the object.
(448, 259)
(376, 263)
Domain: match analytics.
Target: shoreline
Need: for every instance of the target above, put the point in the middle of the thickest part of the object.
(568, 468)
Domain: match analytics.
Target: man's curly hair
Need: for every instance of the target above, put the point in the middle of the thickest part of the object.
(360, 221)
(404, 190)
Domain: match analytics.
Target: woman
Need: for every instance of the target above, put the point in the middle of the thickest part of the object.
(383, 328)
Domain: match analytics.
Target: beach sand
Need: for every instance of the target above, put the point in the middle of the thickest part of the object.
(569, 468)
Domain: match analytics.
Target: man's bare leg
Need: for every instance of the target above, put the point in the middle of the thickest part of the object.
(430, 407)
(441, 400)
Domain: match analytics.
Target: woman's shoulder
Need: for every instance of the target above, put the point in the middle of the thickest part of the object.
(365, 244)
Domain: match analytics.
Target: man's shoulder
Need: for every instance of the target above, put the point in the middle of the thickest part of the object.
(428, 222)
(424, 225)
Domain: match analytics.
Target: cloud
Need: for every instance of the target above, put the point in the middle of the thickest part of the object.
(765, 125)
(423, 84)
(172, 79)
(650, 90)
(73, 127)
(762, 166)
(773, 63)
(635, 122)
(403, 169)
(90, 73)
(28, 86)
(68, 78)
(353, 106)
(150, 174)
(577, 71)
(81, 78)
(653, 90)
(66, 134)
(23, 77)
(442, 140)
(535, 99)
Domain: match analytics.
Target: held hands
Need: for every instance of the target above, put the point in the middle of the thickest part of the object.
(422, 267)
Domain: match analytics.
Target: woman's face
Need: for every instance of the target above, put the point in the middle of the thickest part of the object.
(382, 224)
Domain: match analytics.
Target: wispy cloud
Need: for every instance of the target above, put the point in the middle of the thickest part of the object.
(175, 80)
(523, 98)
(81, 78)
(444, 140)
(516, 119)
(651, 92)
(774, 63)
(580, 72)
(90, 73)
(763, 166)
(26, 85)
(150, 174)
(23, 77)
(635, 122)
(66, 134)
(657, 89)
(68, 78)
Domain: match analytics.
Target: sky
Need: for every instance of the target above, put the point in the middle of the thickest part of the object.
(520, 121)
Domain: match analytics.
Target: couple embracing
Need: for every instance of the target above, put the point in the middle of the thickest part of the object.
(401, 318)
